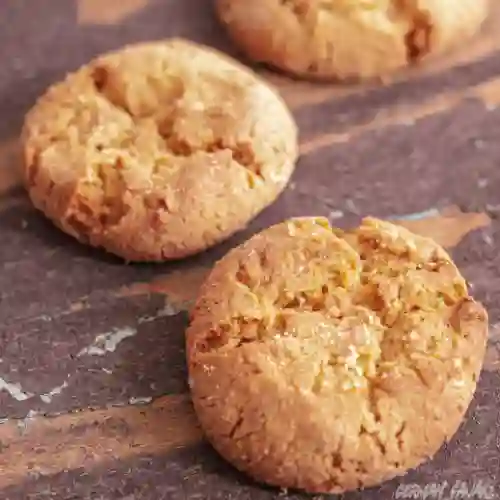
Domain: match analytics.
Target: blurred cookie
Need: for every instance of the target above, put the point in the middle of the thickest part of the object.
(158, 151)
(349, 38)
(330, 361)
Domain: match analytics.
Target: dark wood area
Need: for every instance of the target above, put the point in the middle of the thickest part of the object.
(93, 394)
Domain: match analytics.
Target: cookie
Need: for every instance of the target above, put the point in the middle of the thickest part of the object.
(344, 39)
(158, 151)
(329, 361)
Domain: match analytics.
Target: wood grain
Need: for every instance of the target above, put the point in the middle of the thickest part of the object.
(197, 472)
(57, 296)
(46, 446)
(406, 115)
(89, 438)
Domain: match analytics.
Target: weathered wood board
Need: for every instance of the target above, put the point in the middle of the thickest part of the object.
(93, 396)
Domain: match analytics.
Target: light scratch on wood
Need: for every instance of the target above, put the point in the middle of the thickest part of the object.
(107, 342)
(47, 397)
(166, 311)
(140, 401)
(15, 390)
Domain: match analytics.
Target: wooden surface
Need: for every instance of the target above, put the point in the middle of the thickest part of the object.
(93, 394)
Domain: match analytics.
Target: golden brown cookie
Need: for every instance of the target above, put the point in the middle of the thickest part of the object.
(330, 361)
(349, 38)
(158, 151)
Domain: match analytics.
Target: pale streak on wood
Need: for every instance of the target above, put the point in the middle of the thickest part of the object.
(107, 12)
(488, 92)
(180, 287)
(449, 228)
(91, 438)
(400, 115)
(10, 165)
(492, 358)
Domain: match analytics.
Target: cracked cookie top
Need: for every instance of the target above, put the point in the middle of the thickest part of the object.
(328, 360)
(158, 150)
(347, 39)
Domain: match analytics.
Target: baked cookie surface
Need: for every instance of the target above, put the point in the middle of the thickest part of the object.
(158, 151)
(344, 39)
(330, 361)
